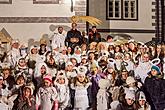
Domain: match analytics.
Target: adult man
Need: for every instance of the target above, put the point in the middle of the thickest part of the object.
(94, 35)
(59, 38)
(73, 37)
(14, 53)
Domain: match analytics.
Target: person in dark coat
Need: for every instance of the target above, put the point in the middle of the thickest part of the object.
(27, 100)
(73, 37)
(154, 87)
(94, 35)
(128, 103)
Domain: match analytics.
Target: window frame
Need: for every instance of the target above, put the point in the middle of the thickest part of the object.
(122, 11)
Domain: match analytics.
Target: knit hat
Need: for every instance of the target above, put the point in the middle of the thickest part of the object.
(69, 63)
(130, 95)
(82, 70)
(77, 48)
(130, 80)
(61, 74)
(142, 96)
(154, 67)
(104, 53)
(48, 78)
(104, 83)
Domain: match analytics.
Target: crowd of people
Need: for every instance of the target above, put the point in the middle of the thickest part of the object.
(80, 72)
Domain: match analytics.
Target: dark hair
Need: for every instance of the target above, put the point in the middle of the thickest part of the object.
(109, 37)
(93, 26)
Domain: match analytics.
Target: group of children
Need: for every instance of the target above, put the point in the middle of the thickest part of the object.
(95, 76)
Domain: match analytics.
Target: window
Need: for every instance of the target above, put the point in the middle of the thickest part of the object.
(5, 1)
(114, 9)
(122, 9)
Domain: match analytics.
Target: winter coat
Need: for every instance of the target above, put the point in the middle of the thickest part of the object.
(123, 106)
(45, 98)
(155, 92)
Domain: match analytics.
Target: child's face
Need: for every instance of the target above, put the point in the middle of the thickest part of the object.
(127, 57)
(22, 63)
(20, 81)
(51, 61)
(6, 73)
(61, 81)
(142, 102)
(74, 62)
(129, 101)
(132, 85)
(94, 71)
(81, 78)
(154, 72)
(26, 92)
(124, 75)
(47, 83)
(34, 51)
(110, 70)
(43, 69)
(70, 67)
(84, 61)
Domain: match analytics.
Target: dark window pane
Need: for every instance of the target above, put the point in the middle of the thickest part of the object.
(116, 14)
(116, 3)
(116, 9)
(126, 3)
(110, 3)
(126, 9)
(132, 15)
(110, 14)
(110, 9)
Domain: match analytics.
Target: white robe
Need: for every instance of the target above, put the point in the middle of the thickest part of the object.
(81, 96)
(102, 99)
(59, 39)
(45, 98)
(142, 69)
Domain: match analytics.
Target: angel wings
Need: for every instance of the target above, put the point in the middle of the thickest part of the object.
(89, 19)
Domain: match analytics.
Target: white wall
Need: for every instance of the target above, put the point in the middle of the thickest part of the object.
(26, 8)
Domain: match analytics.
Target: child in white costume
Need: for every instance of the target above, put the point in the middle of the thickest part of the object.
(103, 95)
(46, 95)
(80, 86)
(61, 84)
